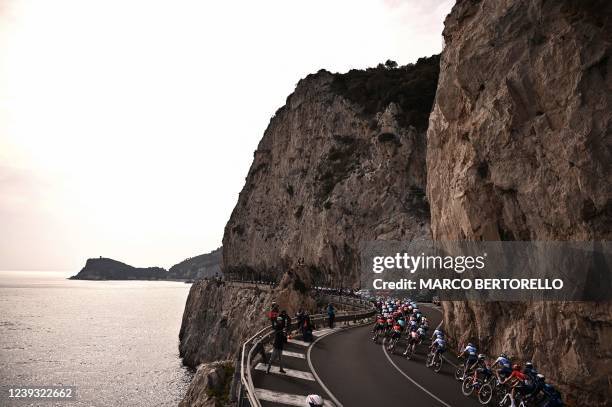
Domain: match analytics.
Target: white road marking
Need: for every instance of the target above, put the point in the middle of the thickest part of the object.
(284, 398)
(314, 372)
(288, 372)
(298, 342)
(322, 332)
(292, 354)
(411, 379)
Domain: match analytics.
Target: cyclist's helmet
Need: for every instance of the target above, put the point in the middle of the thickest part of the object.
(314, 400)
(470, 344)
(529, 365)
(481, 356)
(541, 377)
(440, 336)
(516, 367)
(503, 355)
(279, 319)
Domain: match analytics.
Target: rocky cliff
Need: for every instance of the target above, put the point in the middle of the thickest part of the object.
(210, 386)
(109, 269)
(342, 162)
(198, 267)
(519, 148)
(220, 316)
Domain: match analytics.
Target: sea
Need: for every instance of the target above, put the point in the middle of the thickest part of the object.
(114, 342)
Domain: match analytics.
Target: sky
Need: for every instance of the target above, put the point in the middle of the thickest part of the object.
(127, 127)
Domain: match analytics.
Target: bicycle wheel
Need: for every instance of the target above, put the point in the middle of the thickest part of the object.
(428, 360)
(467, 387)
(485, 394)
(437, 363)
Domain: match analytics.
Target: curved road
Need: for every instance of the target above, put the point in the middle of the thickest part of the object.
(361, 373)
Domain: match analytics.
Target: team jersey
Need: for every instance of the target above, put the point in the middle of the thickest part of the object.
(518, 375)
(440, 343)
(503, 362)
(470, 350)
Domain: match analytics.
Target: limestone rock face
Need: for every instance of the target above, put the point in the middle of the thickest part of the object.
(219, 317)
(342, 162)
(210, 386)
(519, 148)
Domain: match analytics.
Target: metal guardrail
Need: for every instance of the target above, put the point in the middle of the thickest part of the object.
(246, 392)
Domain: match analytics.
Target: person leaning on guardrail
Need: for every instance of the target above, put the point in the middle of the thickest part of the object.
(280, 338)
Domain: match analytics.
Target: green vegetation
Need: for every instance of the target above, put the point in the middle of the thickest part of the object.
(412, 87)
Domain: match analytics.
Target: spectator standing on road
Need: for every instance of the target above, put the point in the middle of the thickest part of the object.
(277, 347)
(273, 314)
(286, 321)
(331, 314)
(307, 328)
(299, 320)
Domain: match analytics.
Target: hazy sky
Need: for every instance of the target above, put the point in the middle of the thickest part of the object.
(127, 127)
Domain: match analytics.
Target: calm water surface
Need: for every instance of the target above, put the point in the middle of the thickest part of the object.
(116, 341)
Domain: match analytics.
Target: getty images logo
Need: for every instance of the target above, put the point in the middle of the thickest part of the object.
(410, 263)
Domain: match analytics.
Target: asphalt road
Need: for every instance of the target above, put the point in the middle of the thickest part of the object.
(276, 389)
(360, 373)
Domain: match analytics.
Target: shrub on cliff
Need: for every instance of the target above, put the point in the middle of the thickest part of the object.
(412, 87)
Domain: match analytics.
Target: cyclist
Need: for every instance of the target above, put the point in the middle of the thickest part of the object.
(438, 347)
(504, 363)
(470, 352)
(537, 384)
(482, 368)
(519, 379)
(552, 398)
(413, 326)
(413, 340)
(402, 323)
(380, 324)
(436, 333)
(530, 371)
(422, 332)
(396, 331)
